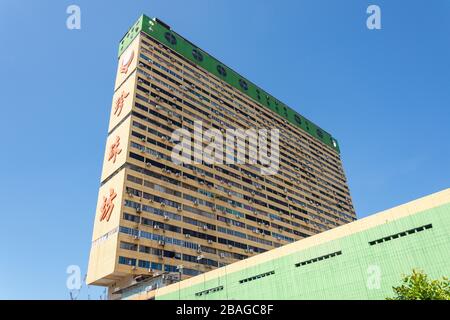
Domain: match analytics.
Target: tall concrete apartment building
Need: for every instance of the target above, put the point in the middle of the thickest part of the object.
(154, 216)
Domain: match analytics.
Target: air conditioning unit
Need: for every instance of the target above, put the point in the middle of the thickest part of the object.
(222, 255)
(205, 228)
(187, 235)
(156, 227)
(161, 242)
(166, 217)
(136, 237)
(210, 241)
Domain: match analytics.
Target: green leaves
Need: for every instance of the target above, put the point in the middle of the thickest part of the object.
(418, 286)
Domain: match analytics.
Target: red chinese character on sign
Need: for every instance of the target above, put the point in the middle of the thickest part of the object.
(107, 205)
(114, 150)
(126, 61)
(119, 103)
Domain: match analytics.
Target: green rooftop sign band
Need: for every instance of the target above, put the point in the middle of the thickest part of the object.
(162, 33)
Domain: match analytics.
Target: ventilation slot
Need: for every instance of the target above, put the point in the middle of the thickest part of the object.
(314, 260)
(212, 290)
(259, 276)
(401, 234)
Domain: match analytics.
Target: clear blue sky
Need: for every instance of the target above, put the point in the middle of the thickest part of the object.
(385, 95)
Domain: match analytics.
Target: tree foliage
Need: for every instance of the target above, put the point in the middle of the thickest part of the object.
(418, 286)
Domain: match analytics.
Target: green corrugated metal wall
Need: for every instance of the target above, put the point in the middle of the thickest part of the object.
(348, 275)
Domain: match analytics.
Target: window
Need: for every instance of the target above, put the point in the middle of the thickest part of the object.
(128, 246)
(156, 266)
(169, 268)
(144, 264)
(190, 272)
(127, 261)
(131, 217)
